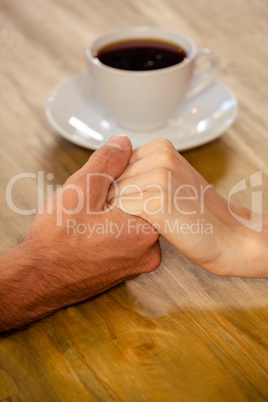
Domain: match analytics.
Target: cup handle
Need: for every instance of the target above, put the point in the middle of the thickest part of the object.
(201, 80)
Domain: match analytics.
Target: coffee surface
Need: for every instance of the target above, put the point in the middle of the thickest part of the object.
(141, 55)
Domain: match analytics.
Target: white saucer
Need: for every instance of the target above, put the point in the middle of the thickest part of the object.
(71, 110)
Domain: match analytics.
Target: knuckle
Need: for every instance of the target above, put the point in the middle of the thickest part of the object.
(163, 143)
(157, 257)
(110, 156)
(165, 156)
(160, 176)
(154, 259)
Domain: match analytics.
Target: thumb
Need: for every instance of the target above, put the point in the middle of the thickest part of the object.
(106, 165)
(112, 158)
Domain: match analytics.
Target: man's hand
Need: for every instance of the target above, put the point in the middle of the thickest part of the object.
(78, 245)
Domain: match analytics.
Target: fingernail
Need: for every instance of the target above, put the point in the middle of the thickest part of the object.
(119, 141)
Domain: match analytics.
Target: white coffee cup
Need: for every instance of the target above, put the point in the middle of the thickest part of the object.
(144, 100)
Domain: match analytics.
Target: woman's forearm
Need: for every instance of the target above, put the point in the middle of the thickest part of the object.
(243, 248)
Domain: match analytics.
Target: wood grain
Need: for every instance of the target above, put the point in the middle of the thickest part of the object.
(179, 333)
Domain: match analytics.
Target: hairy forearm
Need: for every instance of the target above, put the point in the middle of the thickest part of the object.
(25, 287)
(19, 288)
(37, 279)
(33, 284)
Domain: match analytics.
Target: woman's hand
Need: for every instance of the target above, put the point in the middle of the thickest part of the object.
(160, 186)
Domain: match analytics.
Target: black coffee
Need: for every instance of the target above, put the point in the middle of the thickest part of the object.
(141, 55)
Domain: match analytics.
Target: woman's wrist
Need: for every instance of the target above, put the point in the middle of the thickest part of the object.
(242, 248)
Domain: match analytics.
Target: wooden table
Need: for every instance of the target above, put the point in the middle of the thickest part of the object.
(179, 333)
